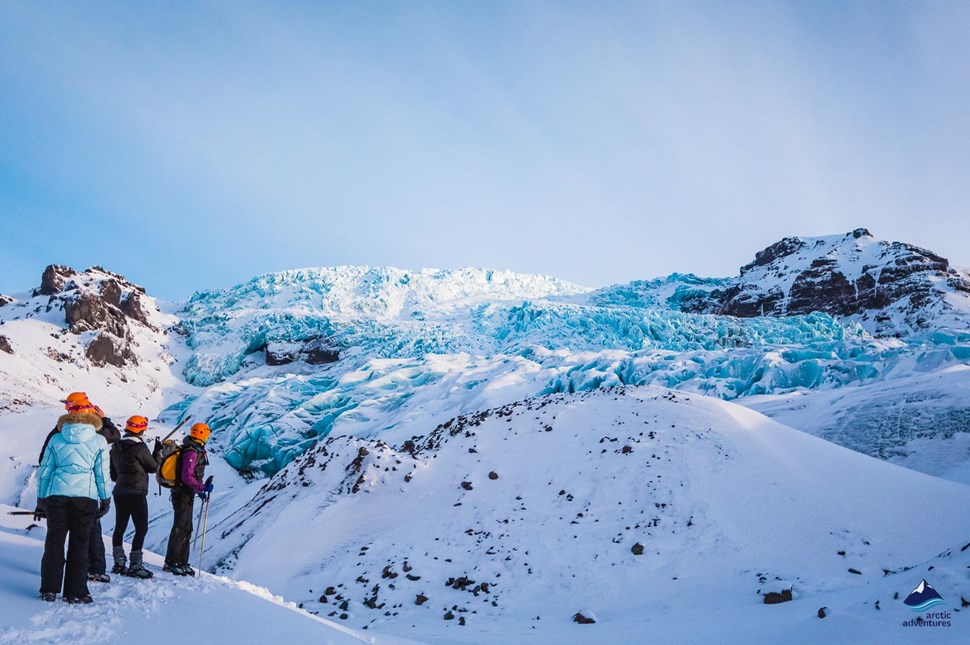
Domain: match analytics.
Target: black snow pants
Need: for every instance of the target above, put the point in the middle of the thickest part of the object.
(178, 539)
(96, 562)
(68, 518)
(134, 507)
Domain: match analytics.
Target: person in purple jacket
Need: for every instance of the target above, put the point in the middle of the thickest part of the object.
(190, 472)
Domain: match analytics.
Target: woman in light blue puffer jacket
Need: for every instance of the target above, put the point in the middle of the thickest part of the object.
(73, 487)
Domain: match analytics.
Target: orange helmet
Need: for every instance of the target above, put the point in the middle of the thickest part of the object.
(81, 407)
(75, 398)
(200, 431)
(136, 424)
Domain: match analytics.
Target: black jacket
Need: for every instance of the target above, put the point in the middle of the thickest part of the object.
(131, 463)
(108, 430)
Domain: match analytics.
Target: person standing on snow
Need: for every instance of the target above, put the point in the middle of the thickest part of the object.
(73, 489)
(97, 561)
(190, 472)
(131, 463)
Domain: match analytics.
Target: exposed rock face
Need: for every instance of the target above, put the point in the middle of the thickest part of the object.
(100, 301)
(891, 288)
(88, 312)
(105, 350)
(5, 300)
(53, 279)
(313, 351)
(775, 598)
(5, 345)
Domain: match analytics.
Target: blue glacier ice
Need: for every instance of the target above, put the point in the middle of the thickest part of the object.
(417, 348)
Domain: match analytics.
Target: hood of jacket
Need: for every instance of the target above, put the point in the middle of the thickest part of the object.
(80, 417)
(77, 432)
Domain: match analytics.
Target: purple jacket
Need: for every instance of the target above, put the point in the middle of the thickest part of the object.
(192, 469)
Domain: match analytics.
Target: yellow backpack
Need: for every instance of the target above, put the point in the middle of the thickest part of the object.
(167, 475)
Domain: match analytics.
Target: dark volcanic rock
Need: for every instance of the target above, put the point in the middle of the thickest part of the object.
(774, 598)
(313, 351)
(104, 350)
(578, 617)
(5, 345)
(774, 252)
(87, 312)
(280, 354)
(111, 292)
(637, 549)
(133, 307)
(54, 278)
(4, 300)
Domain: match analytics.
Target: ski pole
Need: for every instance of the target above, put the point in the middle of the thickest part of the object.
(23, 513)
(205, 523)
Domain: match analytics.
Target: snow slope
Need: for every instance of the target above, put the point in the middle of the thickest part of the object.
(545, 502)
(920, 420)
(218, 610)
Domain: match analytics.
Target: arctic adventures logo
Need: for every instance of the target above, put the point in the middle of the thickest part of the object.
(921, 599)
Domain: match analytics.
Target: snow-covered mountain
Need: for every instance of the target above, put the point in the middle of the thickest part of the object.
(890, 288)
(367, 407)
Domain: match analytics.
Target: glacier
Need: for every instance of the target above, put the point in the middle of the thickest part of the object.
(473, 338)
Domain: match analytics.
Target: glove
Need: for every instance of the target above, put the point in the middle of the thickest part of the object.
(203, 495)
(104, 507)
(41, 511)
(208, 487)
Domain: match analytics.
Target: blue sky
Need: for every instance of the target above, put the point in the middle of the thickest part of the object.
(195, 145)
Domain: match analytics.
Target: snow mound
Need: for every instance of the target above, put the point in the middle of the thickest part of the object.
(655, 509)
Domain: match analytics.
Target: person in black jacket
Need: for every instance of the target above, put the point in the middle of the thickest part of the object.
(97, 564)
(131, 463)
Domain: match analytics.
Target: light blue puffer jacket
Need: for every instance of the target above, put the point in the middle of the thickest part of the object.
(75, 464)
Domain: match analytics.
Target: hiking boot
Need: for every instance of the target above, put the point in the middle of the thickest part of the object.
(121, 561)
(138, 572)
(48, 597)
(174, 569)
(83, 600)
(99, 577)
(182, 570)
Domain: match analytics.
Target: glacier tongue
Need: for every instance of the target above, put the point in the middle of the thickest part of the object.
(400, 341)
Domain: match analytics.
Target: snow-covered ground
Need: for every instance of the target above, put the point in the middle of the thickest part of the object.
(546, 502)
(207, 609)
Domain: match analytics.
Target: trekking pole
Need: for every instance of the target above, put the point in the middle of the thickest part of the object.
(205, 523)
(175, 429)
(198, 524)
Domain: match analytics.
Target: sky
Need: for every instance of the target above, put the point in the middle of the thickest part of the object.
(192, 146)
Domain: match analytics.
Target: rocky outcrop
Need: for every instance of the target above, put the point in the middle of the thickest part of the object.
(5, 345)
(313, 351)
(88, 312)
(5, 300)
(776, 598)
(53, 279)
(97, 300)
(891, 288)
(106, 350)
